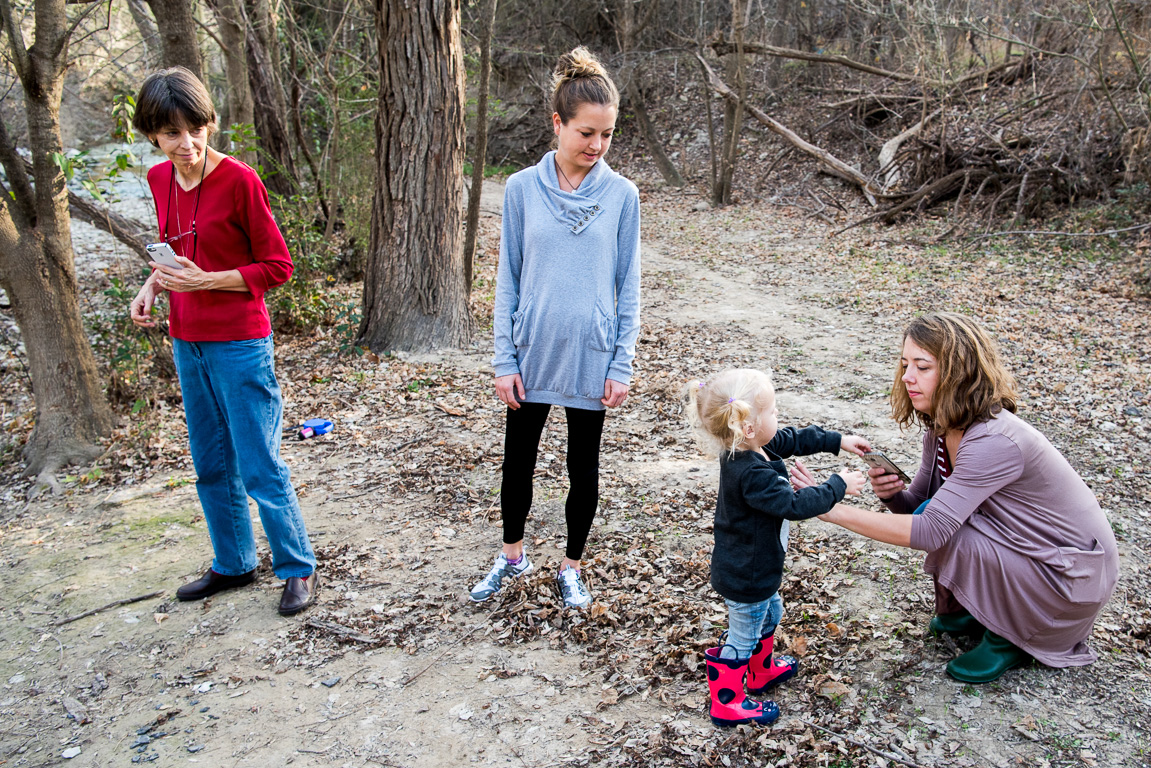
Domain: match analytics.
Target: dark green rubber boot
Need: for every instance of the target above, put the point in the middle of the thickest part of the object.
(958, 623)
(987, 661)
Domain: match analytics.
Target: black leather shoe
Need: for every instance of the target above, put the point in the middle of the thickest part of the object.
(211, 583)
(299, 593)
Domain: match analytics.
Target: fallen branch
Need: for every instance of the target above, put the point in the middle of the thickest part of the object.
(861, 745)
(341, 630)
(722, 47)
(128, 231)
(113, 604)
(887, 154)
(831, 163)
(1104, 233)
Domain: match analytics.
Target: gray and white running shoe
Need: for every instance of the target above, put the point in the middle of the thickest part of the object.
(572, 588)
(502, 569)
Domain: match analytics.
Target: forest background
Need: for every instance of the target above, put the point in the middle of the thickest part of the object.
(872, 159)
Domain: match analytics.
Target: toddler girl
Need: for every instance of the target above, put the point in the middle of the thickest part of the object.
(735, 413)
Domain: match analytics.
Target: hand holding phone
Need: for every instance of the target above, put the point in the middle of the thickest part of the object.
(878, 459)
(162, 253)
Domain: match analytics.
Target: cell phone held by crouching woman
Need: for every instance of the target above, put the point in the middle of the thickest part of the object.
(878, 459)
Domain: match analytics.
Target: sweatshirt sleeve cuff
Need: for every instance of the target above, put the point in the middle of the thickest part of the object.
(839, 486)
(506, 369)
(832, 442)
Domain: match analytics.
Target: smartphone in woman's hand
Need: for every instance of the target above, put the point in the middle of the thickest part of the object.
(877, 459)
(162, 253)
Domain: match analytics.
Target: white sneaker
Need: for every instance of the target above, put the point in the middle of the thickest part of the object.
(572, 588)
(491, 583)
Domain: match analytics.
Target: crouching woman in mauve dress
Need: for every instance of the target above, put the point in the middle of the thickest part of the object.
(1021, 553)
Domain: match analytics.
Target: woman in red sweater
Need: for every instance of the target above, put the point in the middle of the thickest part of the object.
(213, 210)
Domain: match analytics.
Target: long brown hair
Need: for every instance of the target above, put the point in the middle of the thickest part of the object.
(973, 383)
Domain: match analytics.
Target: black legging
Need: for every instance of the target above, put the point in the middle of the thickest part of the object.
(521, 446)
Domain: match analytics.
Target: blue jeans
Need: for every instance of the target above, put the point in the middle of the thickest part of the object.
(747, 623)
(234, 411)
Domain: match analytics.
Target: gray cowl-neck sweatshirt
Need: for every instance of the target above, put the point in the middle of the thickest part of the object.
(567, 289)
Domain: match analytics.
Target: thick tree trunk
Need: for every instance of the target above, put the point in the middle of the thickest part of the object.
(153, 48)
(230, 21)
(270, 105)
(36, 262)
(414, 292)
(480, 150)
(177, 24)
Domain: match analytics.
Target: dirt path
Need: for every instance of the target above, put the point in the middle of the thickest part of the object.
(397, 669)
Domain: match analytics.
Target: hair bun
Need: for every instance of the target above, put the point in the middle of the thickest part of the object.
(576, 63)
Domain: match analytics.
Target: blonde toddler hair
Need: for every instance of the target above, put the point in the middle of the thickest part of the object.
(721, 407)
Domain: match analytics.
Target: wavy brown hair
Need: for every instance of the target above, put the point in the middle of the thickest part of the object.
(973, 384)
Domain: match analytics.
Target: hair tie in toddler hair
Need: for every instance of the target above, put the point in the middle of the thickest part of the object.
(731, 400)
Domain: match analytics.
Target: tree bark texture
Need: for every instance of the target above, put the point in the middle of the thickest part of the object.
(37, 270)
(269, 102)
(177, 24)
(153, 48)
(230, 21)
(480, 150)
(414, 291)
(721, 193)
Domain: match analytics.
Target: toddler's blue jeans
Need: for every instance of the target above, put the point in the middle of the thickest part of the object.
(747, 623)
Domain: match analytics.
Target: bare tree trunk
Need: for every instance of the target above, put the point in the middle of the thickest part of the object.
(628, 27)
(270, 105)
(480, 151)
(36, 261)
(177, 25)
(651, 140)
(230, 21)
(153, 48)
(414, 292)
(732, 109)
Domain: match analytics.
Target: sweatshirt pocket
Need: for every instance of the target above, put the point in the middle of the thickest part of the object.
(603, 331)
(521, 332)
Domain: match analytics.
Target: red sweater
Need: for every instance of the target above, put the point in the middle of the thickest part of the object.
(235, 230)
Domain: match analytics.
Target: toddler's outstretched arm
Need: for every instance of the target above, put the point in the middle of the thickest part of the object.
(801, 478)
(855, 444)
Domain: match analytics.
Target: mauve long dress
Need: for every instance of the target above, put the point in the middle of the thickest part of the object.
(1017, 537)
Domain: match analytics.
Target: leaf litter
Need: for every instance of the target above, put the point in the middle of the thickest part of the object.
(422, 435)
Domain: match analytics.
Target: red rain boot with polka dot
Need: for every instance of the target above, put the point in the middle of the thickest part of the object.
(764, 672)
(730, 706)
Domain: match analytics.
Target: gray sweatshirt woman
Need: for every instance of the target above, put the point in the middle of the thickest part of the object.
(567, 289)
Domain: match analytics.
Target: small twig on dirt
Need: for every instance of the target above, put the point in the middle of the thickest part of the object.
(113, 604)
(516, 752)
(861, 745)
(453, 644)
(1105, 233)
(370, 489)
